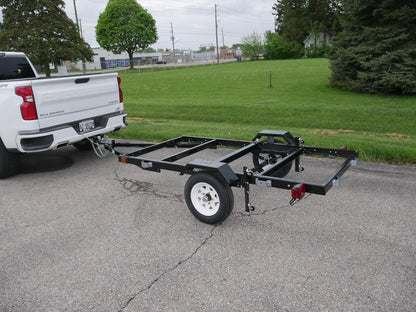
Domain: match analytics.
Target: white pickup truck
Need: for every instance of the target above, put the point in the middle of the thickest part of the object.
(39, 114)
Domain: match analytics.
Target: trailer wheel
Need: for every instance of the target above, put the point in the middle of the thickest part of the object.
(9, 162)
(271, 159)
(209, 198)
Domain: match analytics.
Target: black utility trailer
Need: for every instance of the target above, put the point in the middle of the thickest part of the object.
(208, 191)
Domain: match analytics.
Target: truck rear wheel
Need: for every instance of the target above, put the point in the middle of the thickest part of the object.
(9, 162)
(209, 198)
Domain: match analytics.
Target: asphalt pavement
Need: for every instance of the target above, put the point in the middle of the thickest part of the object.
(78, 233)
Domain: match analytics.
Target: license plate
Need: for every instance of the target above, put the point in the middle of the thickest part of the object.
(86, 125)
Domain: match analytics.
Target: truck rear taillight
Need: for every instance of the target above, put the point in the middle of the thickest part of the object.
(120, 92)
(28, 108)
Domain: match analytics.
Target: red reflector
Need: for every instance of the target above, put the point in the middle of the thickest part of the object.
(298, 191)
(28, 108)
(120, 92)
(123, 160)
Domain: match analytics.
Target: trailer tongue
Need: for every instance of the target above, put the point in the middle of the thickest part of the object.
(208, 191)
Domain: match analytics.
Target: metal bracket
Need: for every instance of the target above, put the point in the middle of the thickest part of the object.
(264, 183)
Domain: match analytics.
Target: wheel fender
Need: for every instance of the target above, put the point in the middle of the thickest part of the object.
(223, 169)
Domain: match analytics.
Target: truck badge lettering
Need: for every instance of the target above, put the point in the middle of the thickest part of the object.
(51, 113)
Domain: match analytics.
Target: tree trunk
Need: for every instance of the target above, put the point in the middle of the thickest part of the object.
(47, 69)
(131, 59)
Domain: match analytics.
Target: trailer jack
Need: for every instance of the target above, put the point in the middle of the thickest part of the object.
(246, 183)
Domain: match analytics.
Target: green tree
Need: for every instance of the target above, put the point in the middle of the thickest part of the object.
(236, 46)
(291, 20)
(149, 50)
(376, 52)
(296, 19)
(43, 31)
(252, 46)
(125, 26)
(276, 47)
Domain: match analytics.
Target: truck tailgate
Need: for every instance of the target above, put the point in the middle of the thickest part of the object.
(63, 100)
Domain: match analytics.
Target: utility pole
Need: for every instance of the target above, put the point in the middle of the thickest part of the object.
(216, 34)
(76, 14)
(173, 41)
(223, 42)
(80, 28)
(84, 66)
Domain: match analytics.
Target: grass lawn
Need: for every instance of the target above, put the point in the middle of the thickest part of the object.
(236, 101)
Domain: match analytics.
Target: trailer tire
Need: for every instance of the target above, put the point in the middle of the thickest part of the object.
(209, 197)
(260, 157)
(9, 162)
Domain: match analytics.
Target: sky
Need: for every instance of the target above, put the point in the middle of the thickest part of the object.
(193, 21)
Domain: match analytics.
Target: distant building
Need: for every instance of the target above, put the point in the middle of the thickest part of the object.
(204, 56)
(171, 57)
(105, 59)
(318, 40)
(227, 54)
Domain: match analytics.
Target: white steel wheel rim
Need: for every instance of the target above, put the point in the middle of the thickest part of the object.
(205, 199)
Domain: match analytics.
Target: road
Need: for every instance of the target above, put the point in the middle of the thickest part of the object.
(78, 233)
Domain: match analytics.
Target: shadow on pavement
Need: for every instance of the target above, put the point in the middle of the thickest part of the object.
(44, 162)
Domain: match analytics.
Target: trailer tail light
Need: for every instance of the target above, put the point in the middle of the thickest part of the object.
(298, 191)
(28, 108)
(120, 92)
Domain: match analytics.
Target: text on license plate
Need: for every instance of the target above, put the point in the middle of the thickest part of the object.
(86, 125)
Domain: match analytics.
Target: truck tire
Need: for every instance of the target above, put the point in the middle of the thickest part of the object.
(9, 162)
(209, 198)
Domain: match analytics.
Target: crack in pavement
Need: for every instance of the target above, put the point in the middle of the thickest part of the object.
(134, 187)
(180, 263)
